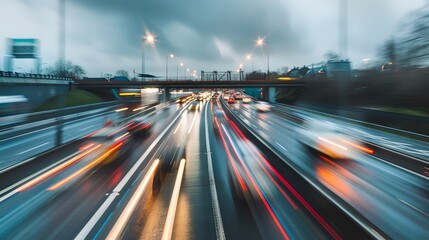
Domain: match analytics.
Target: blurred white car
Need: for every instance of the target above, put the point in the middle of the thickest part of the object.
(262, 106)
(328, 139)
(247, 99)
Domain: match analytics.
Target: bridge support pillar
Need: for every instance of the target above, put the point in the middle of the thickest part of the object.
(272, 94)
(268, 94)
(166, 96)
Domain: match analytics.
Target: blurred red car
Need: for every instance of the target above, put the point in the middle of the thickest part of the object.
(231, 100)
(139, 128)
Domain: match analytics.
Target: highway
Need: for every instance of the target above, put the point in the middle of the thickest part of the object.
(386, 194)
(204, 170)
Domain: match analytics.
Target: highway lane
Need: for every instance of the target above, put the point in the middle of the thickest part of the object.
(15, 148)
(269, 215)
(21, 147)
(386, 195)
(274, 204)
(44, 213)
(388, 140)
(126, 187)
(195, 216)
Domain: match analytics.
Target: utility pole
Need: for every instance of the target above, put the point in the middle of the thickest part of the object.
(343, 29)
(62, 30)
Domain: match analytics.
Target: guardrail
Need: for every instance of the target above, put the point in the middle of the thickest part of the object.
(18, 119)
(32, 75)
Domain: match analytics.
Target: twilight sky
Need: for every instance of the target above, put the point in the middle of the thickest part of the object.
(106, 35)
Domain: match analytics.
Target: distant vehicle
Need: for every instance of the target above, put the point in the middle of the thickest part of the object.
(262, 106)
(247, 99)
(238, 96)
(200, 98)
(231, 100)
(215, 96)
(149, 96)
(226, 96)
(194, 106)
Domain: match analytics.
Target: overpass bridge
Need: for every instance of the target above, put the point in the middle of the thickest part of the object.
(190, 84)
(270, 89)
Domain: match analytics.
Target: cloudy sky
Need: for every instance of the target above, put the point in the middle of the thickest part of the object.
(106, 35)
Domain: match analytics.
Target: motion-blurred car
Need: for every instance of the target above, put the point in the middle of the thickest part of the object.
(262, 106)
(194, 106)
(247, 100)
(237, 96)
(231, 100)
(200, 98)
(328, 139)
(139, 128)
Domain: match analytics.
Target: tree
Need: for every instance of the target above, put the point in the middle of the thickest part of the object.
(283, 70)
(414, 45)
(388, 51)
(331, 55)
(122, 73)
(108, 75)
(66, 69)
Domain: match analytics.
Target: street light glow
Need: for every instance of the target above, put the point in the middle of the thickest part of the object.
(171, 55)
(150, 38)
(248, 56)
(261, 42)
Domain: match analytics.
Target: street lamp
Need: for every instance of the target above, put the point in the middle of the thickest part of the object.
(150, 39)
(261, 42)
(177, 70)
(166, 65)
(187, 70)
(249, 56)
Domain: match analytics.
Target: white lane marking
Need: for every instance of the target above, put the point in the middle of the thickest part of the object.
(85, 231)
(220, 233)
(178, 126)
(16, 165)
(31, 149)
(24, 141)
(402, 168)
(24, 134)
(132, 204)
(192, 123)
(31, 176)
(281, 146)
(83, 129)
(413, 207)
(100, 212)
(169, 222)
